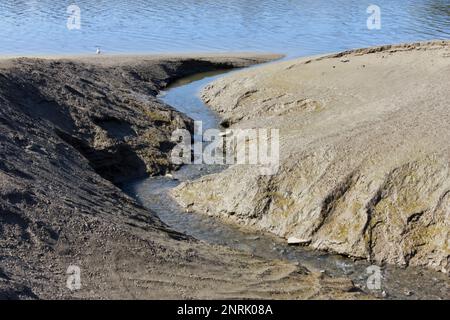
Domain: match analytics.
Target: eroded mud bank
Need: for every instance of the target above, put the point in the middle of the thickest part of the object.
(69, 130)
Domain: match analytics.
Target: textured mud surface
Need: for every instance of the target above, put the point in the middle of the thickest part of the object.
(70, 129)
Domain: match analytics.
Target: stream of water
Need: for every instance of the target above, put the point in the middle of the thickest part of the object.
(291, 27)
(397, 283)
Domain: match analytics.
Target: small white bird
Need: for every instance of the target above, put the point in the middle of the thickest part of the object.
(98, 51)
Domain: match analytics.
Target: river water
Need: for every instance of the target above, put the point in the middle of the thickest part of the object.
(397, 283)
(291, 27)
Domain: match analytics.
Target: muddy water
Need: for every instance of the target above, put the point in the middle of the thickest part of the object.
(396, 283)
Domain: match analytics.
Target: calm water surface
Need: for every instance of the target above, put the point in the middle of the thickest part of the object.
(293, 27)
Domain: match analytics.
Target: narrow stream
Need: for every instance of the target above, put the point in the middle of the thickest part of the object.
(397, 283)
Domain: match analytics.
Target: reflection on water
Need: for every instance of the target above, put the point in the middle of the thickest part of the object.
(294, 27)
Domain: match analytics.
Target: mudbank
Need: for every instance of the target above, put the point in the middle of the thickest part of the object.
(106, 108)
(364, 153)
(70, 129)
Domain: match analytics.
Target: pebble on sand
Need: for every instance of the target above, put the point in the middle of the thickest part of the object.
(293, 241)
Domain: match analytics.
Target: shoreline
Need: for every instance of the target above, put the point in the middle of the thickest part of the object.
(208, 54)
(129, 57)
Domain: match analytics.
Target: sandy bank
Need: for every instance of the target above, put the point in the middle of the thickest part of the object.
(364, 156)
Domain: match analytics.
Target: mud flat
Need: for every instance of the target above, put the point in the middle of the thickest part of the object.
(364, 153)
(70, 130)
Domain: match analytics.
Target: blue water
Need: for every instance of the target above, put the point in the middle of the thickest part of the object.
(293, 27)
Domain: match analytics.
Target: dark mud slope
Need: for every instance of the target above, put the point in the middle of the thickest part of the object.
(107, 112)
(70, 130)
